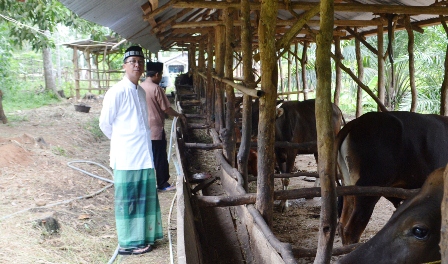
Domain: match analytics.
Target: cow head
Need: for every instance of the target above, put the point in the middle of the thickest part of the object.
(256, 114)
(413, 232)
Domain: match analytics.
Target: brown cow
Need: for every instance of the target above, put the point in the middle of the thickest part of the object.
(413, 232)
(392, 149)
(295, 123)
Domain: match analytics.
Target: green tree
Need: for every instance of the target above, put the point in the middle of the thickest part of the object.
(32, 22)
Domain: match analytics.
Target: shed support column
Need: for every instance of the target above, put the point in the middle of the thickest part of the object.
(381, 69)
(228, 133)
(411, 63)
(246, 46)
(288, 89)
(219, 66)
(210, 86)
(265, 180)
(338, 53)
(360, 77)
(303, 63)
(296, 53)
(325, 135)
(201, 68)
(76, 71)
(444, 88)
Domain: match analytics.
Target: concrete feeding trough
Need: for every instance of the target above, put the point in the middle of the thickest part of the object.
(82, 108)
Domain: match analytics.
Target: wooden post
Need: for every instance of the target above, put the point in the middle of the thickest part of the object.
(360, 77)
(265, 180)
(296, 53)
(444, 88)
(303, 63)
(89, 68)
(246, 46)
(192, 66)
(229, 132)
(219, 67)
(407, 21)
(210, 86)
(76, 71)
(325, 135)
(381, 69)
(280, 75)
(288, 88)
(2, 113)
(338, 53)
(201, 68)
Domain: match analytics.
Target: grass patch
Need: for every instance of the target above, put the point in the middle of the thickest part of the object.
(59, 151)
(26, 99)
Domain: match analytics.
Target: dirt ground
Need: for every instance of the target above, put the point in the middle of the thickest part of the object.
(36, 183)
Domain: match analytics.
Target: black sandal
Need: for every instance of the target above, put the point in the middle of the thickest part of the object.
(135, 251)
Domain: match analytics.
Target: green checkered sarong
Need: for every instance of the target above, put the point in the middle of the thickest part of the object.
(137, 209)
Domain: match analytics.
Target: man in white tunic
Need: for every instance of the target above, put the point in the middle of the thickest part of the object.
(124, 120)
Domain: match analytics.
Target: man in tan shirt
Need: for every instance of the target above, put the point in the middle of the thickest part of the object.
(158, 106)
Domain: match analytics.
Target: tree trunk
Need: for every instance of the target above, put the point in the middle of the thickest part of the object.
(50, 83)
(2, 113)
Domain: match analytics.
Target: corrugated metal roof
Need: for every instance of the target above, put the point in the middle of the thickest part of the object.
(122, 16)
(126, 17)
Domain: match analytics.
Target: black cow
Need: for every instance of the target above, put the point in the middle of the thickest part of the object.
(412, 234)
(392, 149)
(295, 123)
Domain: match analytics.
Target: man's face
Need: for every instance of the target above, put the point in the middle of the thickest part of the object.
(134, 67)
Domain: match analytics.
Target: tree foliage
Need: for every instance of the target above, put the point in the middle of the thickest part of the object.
(34, 17)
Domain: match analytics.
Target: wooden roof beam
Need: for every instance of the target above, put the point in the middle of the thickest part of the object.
(160, 26)
(338, 7)
(148, 14)
(342, 23)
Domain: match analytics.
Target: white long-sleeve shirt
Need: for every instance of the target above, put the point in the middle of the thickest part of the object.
(124, 120)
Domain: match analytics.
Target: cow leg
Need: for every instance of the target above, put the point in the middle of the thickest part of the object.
(358, 218)
(285, 182)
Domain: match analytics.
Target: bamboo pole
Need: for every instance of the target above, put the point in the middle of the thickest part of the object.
(325, 135)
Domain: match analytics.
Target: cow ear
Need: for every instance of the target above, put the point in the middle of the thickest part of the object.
(279, 112)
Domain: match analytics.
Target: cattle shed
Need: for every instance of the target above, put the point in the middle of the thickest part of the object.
(221, 34)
